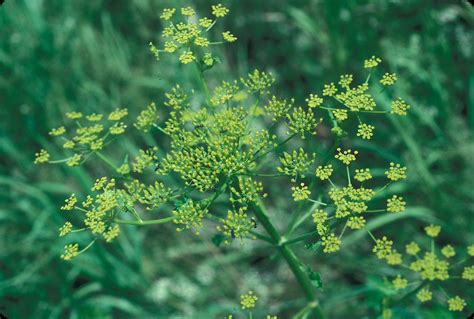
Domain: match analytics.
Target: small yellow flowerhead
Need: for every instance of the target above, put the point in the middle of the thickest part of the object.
(448, 251)
(94, 117)
(73, 115)
(372, 62)
(188, 12)
(324, 172)
(167, 14)
(219, 11)
(365, 131)
(382, 248)
(258, 81)
(329, 89)
(41, 157)
(468, 273)
(396, 204)
(362, 175)
(57, 131)
(347, 156)
(118, 114)
(319, 216)
(470, 250)
(424, 295)
(229, 37)
(124, 169)
(205, 22)
(75, 160)
(146, 118)
(201, 42)
(70, 202)
(111, 233)
(237, 224)
(69, 145)
(394, 258)
(412, 248)
(314, 101)
(87, 202)
(399, 283)
(331, 243)
(70, 251)
(248, 300)
(345, 80)
(99, 184)
(432, 230)
(396, 172)
(187, 57)
(65, 229)
(340, 115)
(388, 79)
(456, 304)
(356, 222)
(154, 50)
(300, 192)
(118, 128)
(399, 107)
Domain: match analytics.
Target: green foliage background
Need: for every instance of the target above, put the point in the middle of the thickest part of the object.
(58, 56)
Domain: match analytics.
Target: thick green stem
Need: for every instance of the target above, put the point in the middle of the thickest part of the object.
(290, 257)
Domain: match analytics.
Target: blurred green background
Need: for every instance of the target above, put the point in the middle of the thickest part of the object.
(57, 56)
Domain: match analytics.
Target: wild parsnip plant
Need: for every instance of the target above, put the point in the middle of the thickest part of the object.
(227, 146)
(424, 270)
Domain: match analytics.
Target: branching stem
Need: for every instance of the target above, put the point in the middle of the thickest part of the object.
(287, 253)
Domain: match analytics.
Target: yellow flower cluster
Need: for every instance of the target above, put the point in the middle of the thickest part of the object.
(248, 300)
(237, 225)
(324, 172)
(429, 267)
(331, 243)
(41, 157)
(300, 192)
(88, 137)
(388, 79)
(396, 172)
(396, 204)
(258, 82)
(365, 131)
(399, 107)
(314, 101)
(190, 215)
(189, 35)
(346, 156)
(372, 62)
(295, 164)
(70, 251)
(248, 191)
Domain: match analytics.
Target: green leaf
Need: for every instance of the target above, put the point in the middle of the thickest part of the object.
(313, 246)
(314, 277)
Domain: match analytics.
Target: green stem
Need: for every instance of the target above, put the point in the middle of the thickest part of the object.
(317, 202)
(300, 238)
(289, 256)
(375, 211)
(276, 147)
(106, 161)
(159, 128)
(145, 222)
(203, 84)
